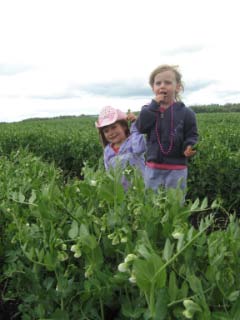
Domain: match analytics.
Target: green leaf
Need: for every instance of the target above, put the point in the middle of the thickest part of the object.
(144, 251)
(180, 243)
(168, 250)
(85, 238)
(161, 304)
(48, 282)
(131, 312)
(146, 273)
(195, 205)
(73, 232)
(32, 197)
(30, 253)
(21, 197)
(214, 204)
(172, 287)
(195, 284)
(235, 311)
(143, 274)
(220, 316)
(50, 261)
(204, 204)
(183, 291)
(89, 241)
(60, 315)
(83, 232)
(234, 295)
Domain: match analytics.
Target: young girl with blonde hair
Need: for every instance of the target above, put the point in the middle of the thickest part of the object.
(171, 130)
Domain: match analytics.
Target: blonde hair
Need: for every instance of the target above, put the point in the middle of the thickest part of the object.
(167, 67)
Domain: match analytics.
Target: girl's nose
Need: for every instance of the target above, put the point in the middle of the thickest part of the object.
(110, 131)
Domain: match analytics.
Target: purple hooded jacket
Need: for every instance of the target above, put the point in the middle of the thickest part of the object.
(130, 152)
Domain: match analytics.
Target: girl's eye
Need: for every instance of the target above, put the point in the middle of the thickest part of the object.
(105, 130)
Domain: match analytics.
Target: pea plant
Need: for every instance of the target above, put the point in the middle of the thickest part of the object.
(86, 249)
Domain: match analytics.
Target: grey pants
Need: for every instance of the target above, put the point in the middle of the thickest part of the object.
(154, 178)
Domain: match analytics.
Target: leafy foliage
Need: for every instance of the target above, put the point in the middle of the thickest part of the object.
(68, 142)
(214, 171)
(86, 250)
(216, 108)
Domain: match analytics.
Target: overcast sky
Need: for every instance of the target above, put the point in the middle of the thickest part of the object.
(72, 57)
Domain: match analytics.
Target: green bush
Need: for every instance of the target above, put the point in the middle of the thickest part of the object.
(88, 250)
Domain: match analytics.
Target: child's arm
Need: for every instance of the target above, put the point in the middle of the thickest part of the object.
(131, 117)
(137, 139)
(189, 152)
(190, 133)
(147, 117)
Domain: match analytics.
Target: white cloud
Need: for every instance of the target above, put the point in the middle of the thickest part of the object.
(54, 53)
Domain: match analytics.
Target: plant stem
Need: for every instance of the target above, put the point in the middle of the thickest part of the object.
(101, 307)
(180, 252)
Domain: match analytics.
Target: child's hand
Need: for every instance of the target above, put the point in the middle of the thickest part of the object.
(160, 97)
(131, 117)
(189, 152)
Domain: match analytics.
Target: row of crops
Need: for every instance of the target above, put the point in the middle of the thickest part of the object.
(66, 141)
(74, 248)
(71, 142)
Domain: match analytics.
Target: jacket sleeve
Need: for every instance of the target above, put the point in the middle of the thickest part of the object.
(137, 139)
(190, 129)
(147, 117)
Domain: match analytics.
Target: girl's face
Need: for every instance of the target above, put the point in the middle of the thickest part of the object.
(115, 134)
(165, 84)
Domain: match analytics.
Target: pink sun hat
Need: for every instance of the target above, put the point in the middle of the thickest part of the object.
(109, 115)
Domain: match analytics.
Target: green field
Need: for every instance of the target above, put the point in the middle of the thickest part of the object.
(74, 246)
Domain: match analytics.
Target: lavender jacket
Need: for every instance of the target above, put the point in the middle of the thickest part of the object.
(130, 152)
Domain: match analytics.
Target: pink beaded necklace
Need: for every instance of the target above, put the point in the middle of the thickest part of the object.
(171, 133)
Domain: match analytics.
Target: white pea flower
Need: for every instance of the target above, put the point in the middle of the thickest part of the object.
(93, 183)
(74, 248)
(187, 314)
(132, 279)
(123, 267)
(115, 240)
(62, 256)
(177, 235)
(123, 240)
(88, 272)
(130, 257)
(77, 254)
(64, 246)
(77, 251)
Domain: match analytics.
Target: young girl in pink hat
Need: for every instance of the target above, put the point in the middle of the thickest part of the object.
(121, 144)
